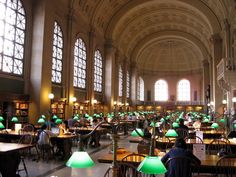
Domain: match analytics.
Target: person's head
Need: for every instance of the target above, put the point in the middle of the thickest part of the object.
(180, 143)
(181, 121)
(44, 127)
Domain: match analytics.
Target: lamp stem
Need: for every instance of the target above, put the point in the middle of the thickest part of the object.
(114, 163)
(151, 151)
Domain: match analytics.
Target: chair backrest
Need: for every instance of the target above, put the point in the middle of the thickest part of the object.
(181, 166)
(137, 158)
(143, 147)
(28, 128)
(124, 170)
(218, 145)
(182, 133)
(226, 166)
(26, 139)
(190, 140)
(170, 144)
(44, 138)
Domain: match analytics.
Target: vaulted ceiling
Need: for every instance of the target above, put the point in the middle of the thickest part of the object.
(160, 35)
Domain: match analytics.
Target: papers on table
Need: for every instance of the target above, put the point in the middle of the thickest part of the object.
(199, 150)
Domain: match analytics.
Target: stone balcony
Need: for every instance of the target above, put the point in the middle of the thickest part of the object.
(226, 74)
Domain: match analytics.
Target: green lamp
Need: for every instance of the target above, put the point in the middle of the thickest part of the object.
(54, 117)
(206, 120)
(43, 116)
(140, 131)
(58, 121)
(1, 118)
(76, 117)
(80, 159)
(171, 133)
(215, 125)
(235, 126)
(14, 119)
(222, 120)
(152, 165)
(175, 125)
(157, 124)
(41, 120)
(1, 125)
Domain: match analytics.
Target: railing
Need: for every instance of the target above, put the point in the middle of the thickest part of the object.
(221, 67)
(173, 103)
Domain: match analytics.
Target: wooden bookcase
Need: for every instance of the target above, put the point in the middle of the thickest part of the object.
(58, 108)
(22, 111)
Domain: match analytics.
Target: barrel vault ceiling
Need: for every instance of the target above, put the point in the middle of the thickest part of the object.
(159, 35)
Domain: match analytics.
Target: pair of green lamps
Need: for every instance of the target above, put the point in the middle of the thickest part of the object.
(150, 164)
(14, 119)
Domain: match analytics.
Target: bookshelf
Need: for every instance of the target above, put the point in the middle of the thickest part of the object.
(58, 108)
(22, 111)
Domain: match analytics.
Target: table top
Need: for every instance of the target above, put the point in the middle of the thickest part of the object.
(210, 160)
(10, 147)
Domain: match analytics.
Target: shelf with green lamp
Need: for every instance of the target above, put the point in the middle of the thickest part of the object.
(1, 124)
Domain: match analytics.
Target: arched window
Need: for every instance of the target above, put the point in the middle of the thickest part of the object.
(57, 54)
(127, 85)
(12, 36)
(98, 71)
(80, 64)
(183, 90)
(161, 90)
(140, 89)
(120, 82)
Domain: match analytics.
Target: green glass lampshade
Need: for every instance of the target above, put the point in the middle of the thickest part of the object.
(134, 133)
(215, 125)
(152, 165)
(86, 115)
(222, 120)
(206, 120)
(1, 126)
(43, 116)
(41, 120)
(54, 116)
(14, 119)
(76, 117)
(58, 121)
(235, 126)
(1, 118)
(175, 125)
(80, 159)
(171, 133)
(162, 120)
(157, 124)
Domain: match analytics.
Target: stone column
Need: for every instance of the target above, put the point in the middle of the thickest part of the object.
(110, 74)
(216, 57)
(134, 75)
(69, 63)
(90, 73)
(41, 61)
(206, 81)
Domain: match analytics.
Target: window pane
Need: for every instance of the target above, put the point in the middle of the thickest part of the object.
(120, 82)
(127, 85)
(183, 90)
(98, 71)
(12, 36)
(57, 54)
(80, 64)
(161, 90)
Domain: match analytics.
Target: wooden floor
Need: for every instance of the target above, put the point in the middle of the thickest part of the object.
(57, 168)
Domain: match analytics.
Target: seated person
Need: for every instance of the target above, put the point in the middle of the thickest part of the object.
(95, 137)
(232, 134)
(83, 122)
(45, 135)
(197, 124)
(181, 124)
(179, 150)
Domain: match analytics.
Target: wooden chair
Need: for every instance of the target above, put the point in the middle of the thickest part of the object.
(226, 166)
(25, 139)
(218, 145)
(46, 150)
(181, 166)
(124, 170)
(190, 140)
(137, 158)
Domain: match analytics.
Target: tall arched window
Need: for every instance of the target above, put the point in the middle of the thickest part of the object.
(57, 54)
(140, 89)
(183, 90)
(12, 36)
(98, 71)
(161, 90)
(80, 64)
(120, 82)
(127, 85)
